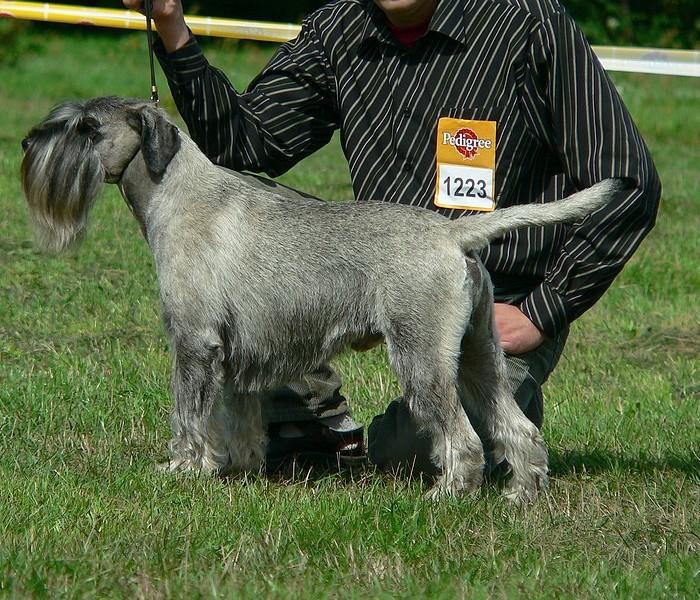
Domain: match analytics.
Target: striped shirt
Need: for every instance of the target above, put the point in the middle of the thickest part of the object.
(522, 63)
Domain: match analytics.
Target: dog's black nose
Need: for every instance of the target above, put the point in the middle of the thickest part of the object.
(25, 144)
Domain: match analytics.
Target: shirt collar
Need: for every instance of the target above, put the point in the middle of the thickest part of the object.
(448, 20)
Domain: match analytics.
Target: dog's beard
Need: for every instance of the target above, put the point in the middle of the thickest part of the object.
(62, 176)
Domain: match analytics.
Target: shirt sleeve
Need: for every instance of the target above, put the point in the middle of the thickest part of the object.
(287, 112)
(577, 111)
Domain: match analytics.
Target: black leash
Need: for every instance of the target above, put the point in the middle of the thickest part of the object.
(149, 35)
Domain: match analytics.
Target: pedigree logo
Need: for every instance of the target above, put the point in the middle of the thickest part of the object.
(466, 142)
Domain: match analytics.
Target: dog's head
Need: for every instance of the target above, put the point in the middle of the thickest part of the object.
(80, 146)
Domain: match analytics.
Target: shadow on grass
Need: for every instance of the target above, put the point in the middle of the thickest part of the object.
(361, 472)
(602, 461)
(17, 247)
(561, 464)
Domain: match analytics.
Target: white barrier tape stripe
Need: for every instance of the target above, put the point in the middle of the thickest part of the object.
(636, 60)
(654, 68)
(650, 60)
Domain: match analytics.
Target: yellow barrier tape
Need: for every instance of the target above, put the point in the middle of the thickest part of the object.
(637, 60)
(127, 19)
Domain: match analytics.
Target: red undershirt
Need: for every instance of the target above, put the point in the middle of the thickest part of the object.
(407, 36)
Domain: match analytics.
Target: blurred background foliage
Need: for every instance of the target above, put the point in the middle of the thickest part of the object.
(657, 23)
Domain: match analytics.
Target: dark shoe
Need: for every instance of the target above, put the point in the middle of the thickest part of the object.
(334, 443)
(396, 443)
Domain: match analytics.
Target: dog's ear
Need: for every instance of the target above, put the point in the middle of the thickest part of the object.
(88, 126)
(160, 139)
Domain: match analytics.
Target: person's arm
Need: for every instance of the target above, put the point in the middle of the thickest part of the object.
(577, 110)
(169, 19)
(287, 112)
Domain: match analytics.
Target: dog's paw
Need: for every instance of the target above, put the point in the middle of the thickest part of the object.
(523, 492)
(529, 467)
(462, 471)
(163, 467)
(449, 486)
(182, 466)
(174, 465)
(247, 455)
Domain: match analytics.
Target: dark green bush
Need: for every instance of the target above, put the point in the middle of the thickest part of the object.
(661, 23)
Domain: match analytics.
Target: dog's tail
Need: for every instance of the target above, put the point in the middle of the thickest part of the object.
(476, 231)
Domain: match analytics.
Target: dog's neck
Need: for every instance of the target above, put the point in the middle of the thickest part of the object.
(138, 190)
(150, 200)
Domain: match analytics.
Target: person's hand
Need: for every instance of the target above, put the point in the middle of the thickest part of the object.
(169, 20)
(517, 333)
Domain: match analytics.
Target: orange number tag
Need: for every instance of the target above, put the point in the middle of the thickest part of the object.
(466, 164)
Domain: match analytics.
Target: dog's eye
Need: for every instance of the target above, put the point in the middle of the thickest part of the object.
(25, 144)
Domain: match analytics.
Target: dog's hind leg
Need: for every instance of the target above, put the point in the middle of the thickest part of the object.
(488, 400)
(197, 384)
(241, 428)
(426, 363)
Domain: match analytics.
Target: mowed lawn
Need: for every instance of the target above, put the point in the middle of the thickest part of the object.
(84, 371)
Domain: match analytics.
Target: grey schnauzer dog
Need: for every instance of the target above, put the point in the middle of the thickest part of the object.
(258, 289)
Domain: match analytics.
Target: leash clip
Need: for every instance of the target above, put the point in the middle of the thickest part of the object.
(154, 95)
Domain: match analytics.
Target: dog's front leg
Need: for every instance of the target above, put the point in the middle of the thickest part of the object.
(197, 385)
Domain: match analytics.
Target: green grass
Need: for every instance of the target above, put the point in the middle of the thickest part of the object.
(84, 371)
